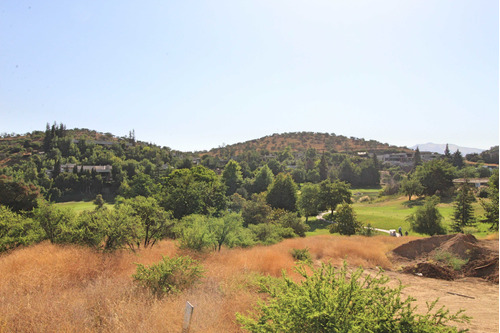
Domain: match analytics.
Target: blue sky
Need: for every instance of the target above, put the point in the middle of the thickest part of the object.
(193, 75)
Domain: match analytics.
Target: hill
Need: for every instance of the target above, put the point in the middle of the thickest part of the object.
(301, 141)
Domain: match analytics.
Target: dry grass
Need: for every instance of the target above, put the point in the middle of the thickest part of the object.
(52, 288)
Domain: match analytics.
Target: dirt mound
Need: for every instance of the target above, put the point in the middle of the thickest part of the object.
(430, 270)
(483, 268)
(464, 247)
(421, 247)
(457, 256)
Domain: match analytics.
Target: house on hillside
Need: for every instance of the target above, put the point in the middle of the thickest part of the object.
(104, 170)
(401, 159)
(476, 182)
(429, 156)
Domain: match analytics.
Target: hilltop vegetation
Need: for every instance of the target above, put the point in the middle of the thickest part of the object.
(302, 141)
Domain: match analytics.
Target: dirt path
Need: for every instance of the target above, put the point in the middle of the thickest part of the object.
(483, 307)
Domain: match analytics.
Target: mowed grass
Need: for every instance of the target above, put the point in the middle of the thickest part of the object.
(80, 206)
(392, 214)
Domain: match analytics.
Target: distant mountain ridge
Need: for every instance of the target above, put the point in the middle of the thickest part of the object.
(440, 147)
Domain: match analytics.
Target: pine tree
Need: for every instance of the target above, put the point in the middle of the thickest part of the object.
(283, 193)
(323, 168)
(447, 154)
(457, 159)
(463, 215)
(417, 159)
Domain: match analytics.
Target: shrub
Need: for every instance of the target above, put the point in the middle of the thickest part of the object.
(336, 301)
(170, 275)
(450, 259)
(301, 254)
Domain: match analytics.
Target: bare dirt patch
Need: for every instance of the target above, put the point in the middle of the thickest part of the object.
(472, 287)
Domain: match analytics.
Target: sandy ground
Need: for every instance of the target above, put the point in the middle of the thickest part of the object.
(481, 302)
(483, 307)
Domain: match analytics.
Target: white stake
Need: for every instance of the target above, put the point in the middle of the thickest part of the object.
(187, 317)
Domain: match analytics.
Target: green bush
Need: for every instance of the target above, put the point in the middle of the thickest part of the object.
(17, 230)
(450, 259)
(301, 255)
(170, 275)
(331, 300)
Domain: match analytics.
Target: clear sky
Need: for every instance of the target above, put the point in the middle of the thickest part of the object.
(193, 75)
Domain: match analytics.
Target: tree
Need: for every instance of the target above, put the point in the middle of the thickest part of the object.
(427, 218)
(491, 207)
(17, 230)
(329, 300)
(308, 201)
(411, 186)
(18, 195)
(99, 201)
(333, 193)
(232, 177)
(156, 222)
(223, 227)
(436, 176)
(417, 159)
(192, 191)
(457, 160)
(256, 210)
(291, 220)
(348, 172)
(323, 168)
(463, 214)
(56, 222)
(108, 229)
(263, 179)
(282, 193)
(447, 154)
(345, 221)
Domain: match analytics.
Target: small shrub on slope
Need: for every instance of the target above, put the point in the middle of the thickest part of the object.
(170, 275)
(331, 300)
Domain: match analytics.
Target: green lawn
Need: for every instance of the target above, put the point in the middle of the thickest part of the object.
(317, 227)
(392, 213)
(80, 206)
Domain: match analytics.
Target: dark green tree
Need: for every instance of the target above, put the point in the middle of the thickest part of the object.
(427, 218)
(263, 179)
(457, 160)
(348, 172)
(283, 193)
(333, 193)
(436, 177)
(417, 159)
(323, 168)
(490, 206)
(256, 210)
(447, 154)
(345, 221)
(463, 213)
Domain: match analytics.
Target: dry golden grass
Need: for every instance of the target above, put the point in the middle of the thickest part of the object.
(52, 288)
